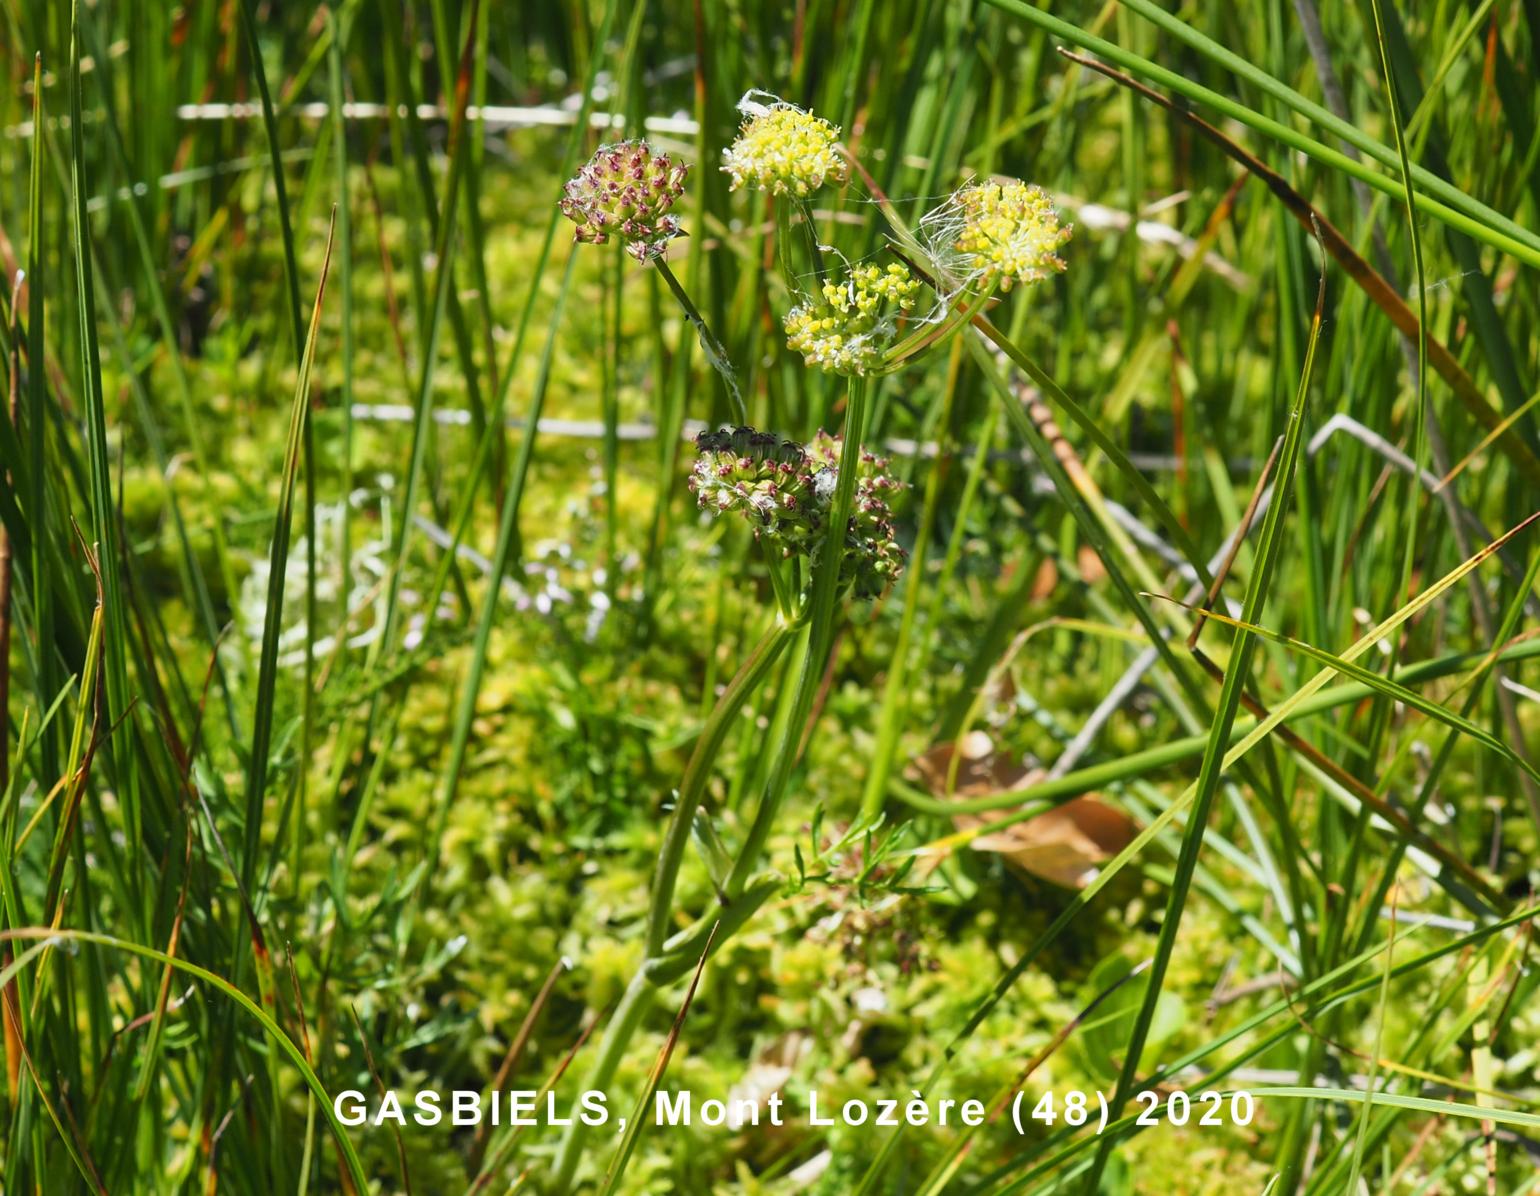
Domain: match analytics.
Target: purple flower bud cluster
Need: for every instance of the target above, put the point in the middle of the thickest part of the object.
(783, 491)
(626, 191)
(761, 476)
(873, 556)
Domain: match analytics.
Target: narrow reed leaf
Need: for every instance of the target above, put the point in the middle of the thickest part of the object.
(1269, 548)
(52, 936)
(258, 762)
(1476, 220)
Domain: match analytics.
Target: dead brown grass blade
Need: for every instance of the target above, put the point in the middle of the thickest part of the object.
(1370, 280)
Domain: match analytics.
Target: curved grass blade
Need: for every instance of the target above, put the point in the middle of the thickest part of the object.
(1299, 702)
(1394, 159)
(638, 1116)
(1499, 427)
(52, 936)
(1416, 1104)
(74, 1149)
(1269, 548)
(103, 510)
(1313, 999)
(1376, 682)
(1488, 227)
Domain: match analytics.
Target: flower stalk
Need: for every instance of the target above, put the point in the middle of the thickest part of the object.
(710, 345)
(658, 966)
(818, 510)
(665, 959)
(820, 637)
(751, 675)
(626, 192)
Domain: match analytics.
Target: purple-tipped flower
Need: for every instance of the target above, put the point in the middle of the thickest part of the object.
(626, 191)
(873, 555)
(763, 478)
(783, 491)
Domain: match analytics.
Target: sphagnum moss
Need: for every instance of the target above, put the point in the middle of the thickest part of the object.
(915, 106)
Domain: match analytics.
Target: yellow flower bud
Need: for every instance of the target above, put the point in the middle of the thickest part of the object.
(854, 324)
(1000, 233)
(783, 150)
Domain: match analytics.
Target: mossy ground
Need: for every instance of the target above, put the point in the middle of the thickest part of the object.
(582, 729)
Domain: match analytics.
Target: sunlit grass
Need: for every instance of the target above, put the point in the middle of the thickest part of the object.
(382, 708)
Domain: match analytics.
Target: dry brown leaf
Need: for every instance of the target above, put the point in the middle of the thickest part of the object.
(1065, 845)
(967, 767)
(1090, 565)
(1046, 580)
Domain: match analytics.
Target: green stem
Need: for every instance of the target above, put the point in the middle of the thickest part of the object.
(748, 680)
(1269, 549)
(709, 344)
(820, 636)
(1477, 221)
(665, 959)
(895, 690)
(785, 594)
(682, 953)
(612, 1049)
(658, 964)
(814, 249)
(1047, 794)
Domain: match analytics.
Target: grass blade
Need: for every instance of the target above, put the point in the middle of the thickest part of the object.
(272, 620)
(1268, 549)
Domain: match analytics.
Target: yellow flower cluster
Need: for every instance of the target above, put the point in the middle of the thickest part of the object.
(851, 326)
(785, 151)
(1009, 232)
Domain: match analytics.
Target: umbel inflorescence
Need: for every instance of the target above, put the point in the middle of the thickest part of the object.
(783, 491)
(855, 319)
(997, 233)
(783, 149)
(988, 236)
(626, 191)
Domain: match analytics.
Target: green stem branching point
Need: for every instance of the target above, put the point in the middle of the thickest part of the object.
(819, 637)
